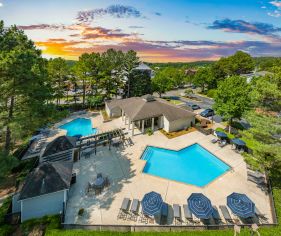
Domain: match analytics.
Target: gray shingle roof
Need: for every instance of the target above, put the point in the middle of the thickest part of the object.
(60, 144)
(138, 108)
(47, 178)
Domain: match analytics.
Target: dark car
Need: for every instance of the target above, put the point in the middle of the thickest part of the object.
(207, 113)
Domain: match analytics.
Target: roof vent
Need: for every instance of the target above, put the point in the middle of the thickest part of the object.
(148, 98)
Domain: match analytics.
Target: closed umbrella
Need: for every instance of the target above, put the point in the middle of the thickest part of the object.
(241, 205)
(200, 205)
(151, 203)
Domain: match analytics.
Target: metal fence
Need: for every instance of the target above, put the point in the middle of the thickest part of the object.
(156, 228)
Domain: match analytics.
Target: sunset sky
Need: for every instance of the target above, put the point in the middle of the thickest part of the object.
(160, 31)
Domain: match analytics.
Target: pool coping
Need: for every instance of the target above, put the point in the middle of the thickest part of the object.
(61, 123)
(231, 169)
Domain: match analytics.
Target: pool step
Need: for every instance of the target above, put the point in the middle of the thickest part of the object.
(147, 154)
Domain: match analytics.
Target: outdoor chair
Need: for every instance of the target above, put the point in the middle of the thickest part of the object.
(226, 214)
(256, 174)
(260, 215)
(258, 181)
(216, 215)
(106, 182)
(146, 219)
(214, 140)
(164, 214)
(124, 209)
(187, 213)
(223, 143)
(177, 214)
(134, 210)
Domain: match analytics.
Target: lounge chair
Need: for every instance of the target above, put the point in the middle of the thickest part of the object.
(187, 213)
(124, 209)
(260, 215)
(177, 214)
(214, 140)
(223, 143)
(256, 181)
(256, 174)
(135, 209)
(226, 214)
(164, 214)
(216, 215)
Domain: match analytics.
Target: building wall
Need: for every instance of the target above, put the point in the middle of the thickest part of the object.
(16, 206)
(114, 112)
(48, 204)
(178, 125)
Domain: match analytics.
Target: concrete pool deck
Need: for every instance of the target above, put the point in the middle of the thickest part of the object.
(124, 169)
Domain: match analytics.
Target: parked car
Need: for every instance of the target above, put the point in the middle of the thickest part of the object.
(193, 106)
(207, 113)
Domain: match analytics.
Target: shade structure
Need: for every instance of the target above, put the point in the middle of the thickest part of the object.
(238, 142)
(241, 205)
(78, 136)
(200, 205)
(221, 134)
(151, 203)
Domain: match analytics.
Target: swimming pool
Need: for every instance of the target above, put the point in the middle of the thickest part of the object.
(191, 165)
(79, 126)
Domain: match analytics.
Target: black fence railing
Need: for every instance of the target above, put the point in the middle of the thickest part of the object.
(156, 228)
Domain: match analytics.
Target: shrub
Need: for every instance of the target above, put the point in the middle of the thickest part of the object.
(81, 211)
(6, 230)
(7, 163)
(149, 132)
(50, 222)
(211, 93)
(188, 92)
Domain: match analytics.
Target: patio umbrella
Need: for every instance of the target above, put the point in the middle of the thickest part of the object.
(221, 134)
(200, 205)
(241, 205)
(238, 142)
(151, 203)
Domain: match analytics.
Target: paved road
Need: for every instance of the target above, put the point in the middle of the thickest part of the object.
(201, 101)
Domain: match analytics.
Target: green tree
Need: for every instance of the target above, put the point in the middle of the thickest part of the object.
(58, 71)
(232, 98)
(112, 78)
(23, 87)
(139, 83)
(203, 78)
(266, 93)
(239, 63)
(161, 83)
(264, 140)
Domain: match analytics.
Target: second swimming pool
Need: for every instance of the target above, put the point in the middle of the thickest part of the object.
(191, 165)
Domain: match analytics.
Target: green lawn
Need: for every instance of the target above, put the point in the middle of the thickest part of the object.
(272, 231)
(175, 102)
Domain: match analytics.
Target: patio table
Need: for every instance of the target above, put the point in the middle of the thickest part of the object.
(98, 183)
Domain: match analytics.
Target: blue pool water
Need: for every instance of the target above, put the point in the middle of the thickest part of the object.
(79, 126)
(191, 165)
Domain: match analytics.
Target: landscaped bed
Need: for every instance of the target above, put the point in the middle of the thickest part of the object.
(177, 133)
